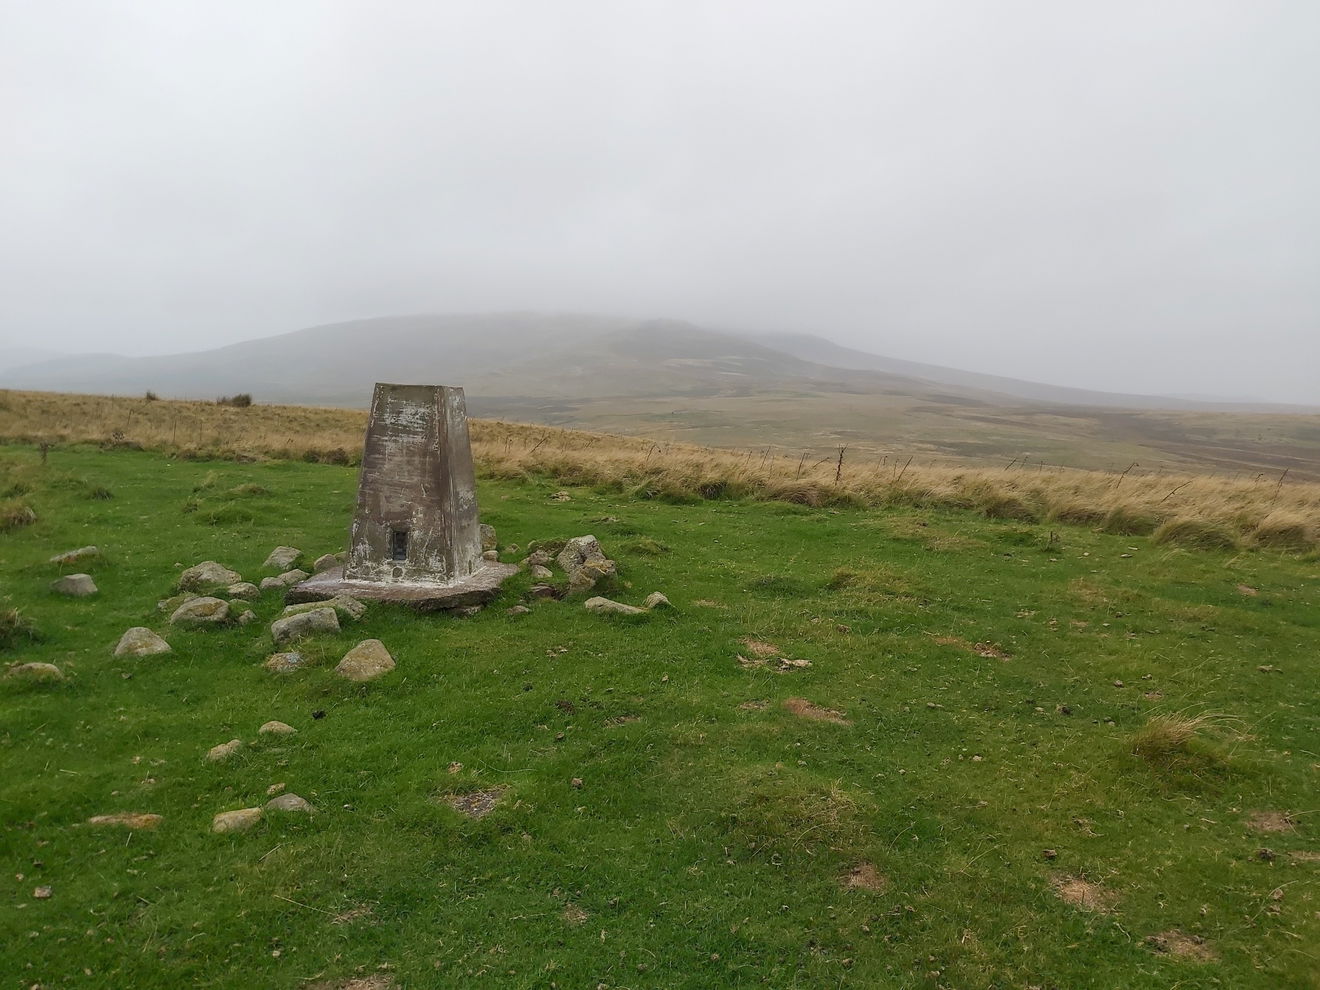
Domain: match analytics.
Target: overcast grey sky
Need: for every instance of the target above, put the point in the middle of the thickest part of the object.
(1118, 195)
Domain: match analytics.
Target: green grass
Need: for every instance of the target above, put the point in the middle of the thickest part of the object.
(709, 837)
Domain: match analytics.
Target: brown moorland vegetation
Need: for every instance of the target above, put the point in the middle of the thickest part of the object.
(1195, 511)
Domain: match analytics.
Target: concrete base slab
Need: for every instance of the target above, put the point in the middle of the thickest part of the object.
(477, 589)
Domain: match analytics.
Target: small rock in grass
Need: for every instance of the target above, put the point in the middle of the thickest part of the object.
(73, 556)
(274, 789)
(244, 617)
(236, 821)
(656, 600)
(282, 558)
(366, 661)
(466, 611)
(39, 672)
(345, 607)
(1050, 854)
(489, 555)
(42, 893)
(74, 585)
(245, 590)
(577, 783)
(171, 604)
(140, 642)
(325, 562)
(128, 819)
(274, 728)
(538, 558)
(285, 663)
(218, 754)
(488, 540)
(311, 623)
(543, 591)
(606, 606)
(541, 573)
(289, 802)
(207, 576)
(518, 610)
(204, 611)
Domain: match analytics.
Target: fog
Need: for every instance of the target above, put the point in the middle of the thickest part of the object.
(1118, 195)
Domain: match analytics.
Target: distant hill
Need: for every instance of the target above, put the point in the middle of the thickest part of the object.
(670, 379)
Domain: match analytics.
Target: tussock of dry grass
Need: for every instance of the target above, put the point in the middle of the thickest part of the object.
(1181, 510)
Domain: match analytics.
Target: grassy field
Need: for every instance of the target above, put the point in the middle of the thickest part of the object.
(1245, 509)
(1024, 753)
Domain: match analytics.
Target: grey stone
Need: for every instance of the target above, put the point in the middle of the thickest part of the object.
(518, 610)
(466, 611)
(236, 821)
(285, 663)
(538, 558)
(325, 562)
(656, 600)
(542, 573)
(585, 563)
(605, 606)
(245, 590)
(245, 617)
(74, 585)
(318, 621)
(286, 580)
(140, 642)
(73, 556)
(543, 591)
(276, 729)
(346, 608)
(366, 661)
(169, 605)
(35, 672)
(201, 612)
(131, 820)
(218, 754)
(489, 555)
(488, 538)
(289, 802)
(282, 558)
(208, 576)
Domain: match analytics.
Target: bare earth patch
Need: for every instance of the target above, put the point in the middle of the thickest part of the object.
(1271, 821)
(475, 804)
(378, 981)
(803, 708)
(864, 876)
(989, 650)
(623, 719)
(574, 915)
(1081, 893)
(1304, 856)
(707, 603)
(753, 706)
(762, 649)
(1182, 946)
(1248, 590)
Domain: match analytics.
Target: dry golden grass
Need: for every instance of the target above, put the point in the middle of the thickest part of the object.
(1185, 510)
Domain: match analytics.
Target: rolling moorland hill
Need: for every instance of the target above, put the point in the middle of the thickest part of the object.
(674, 381)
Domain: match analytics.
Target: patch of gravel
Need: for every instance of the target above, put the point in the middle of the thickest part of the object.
(475, 804)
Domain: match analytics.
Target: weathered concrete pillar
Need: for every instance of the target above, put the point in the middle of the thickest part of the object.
(415, 536)
(416, 519)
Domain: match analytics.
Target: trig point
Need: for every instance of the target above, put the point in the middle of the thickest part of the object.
(415, 536)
